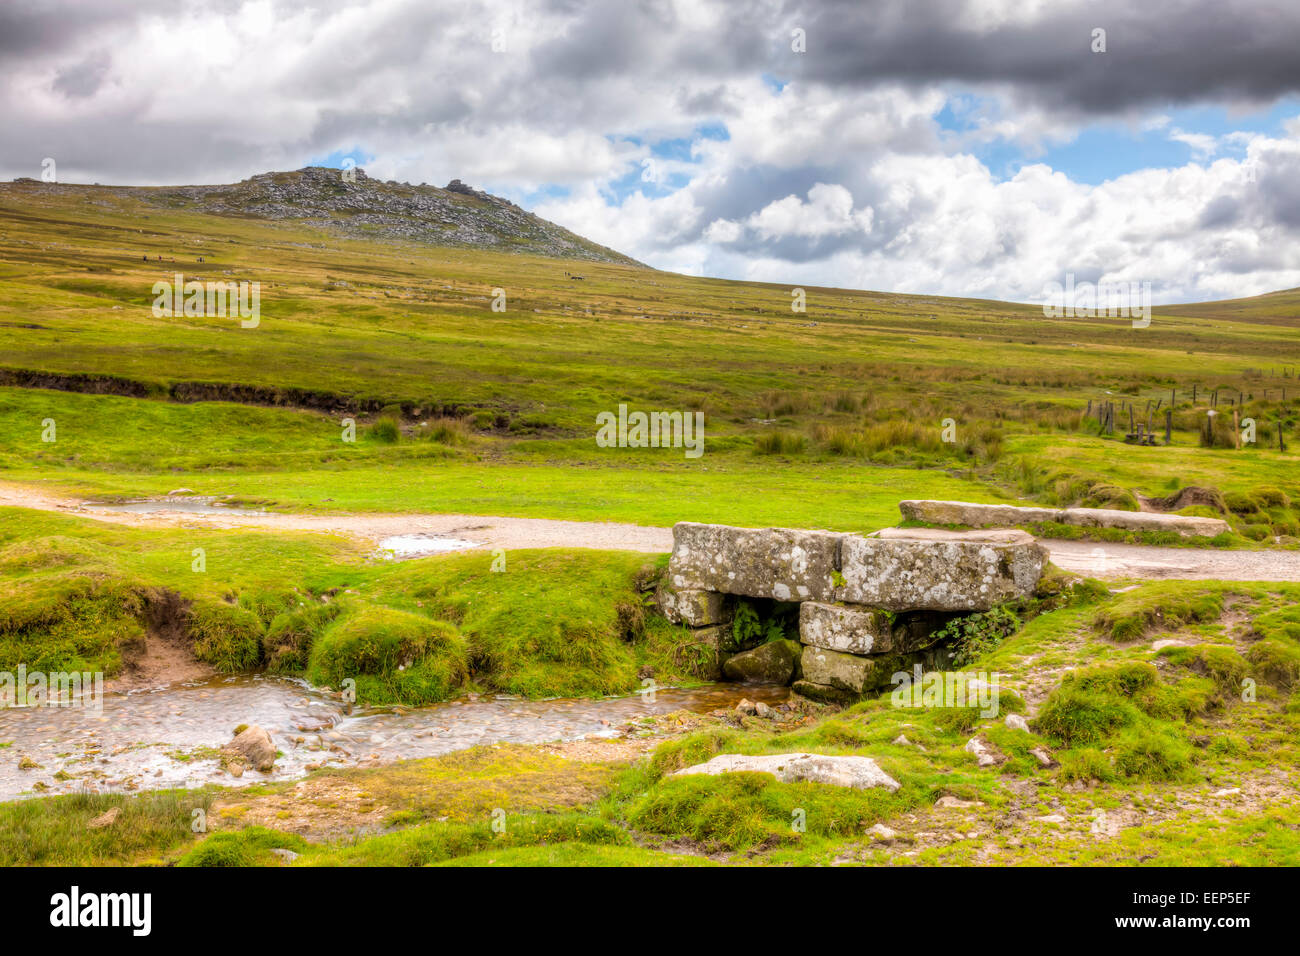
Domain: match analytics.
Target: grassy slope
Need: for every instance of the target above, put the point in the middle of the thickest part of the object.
(851, 395)
(559, 623)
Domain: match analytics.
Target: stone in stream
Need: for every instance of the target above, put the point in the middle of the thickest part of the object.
(782, 564)
(967, 573)
(775, 662)
(860, 773)
(252, 746)
(823, 693)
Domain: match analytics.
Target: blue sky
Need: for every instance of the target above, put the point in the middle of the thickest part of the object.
(1105, 149)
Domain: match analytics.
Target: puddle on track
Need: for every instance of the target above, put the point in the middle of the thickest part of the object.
(140, 739)
(418, 545)
(399, 547)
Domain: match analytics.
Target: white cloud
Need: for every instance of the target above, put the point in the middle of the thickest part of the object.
(1202, 145)
(828, 212)
(842, 178)
(945, 224)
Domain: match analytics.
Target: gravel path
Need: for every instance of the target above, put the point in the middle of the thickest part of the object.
(486, 532)
(1189, 564)
(1106, 561)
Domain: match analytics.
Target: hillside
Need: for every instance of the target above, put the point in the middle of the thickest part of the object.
(357, 207)
(820, 418)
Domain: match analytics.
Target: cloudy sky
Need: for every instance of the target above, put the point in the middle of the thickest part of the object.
(962, 147)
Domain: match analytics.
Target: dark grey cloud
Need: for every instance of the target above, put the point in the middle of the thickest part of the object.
(1221, 212)
(1176, 52)
(1278, 193)
(83, 79)
(38, 30)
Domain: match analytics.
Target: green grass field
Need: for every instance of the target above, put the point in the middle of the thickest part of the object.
(824, 418)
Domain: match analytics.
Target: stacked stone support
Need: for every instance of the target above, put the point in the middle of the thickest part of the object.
(869, 606)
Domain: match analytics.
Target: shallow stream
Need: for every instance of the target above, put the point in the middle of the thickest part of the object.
(168, 736)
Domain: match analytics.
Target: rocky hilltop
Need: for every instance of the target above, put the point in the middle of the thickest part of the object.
(364, 208)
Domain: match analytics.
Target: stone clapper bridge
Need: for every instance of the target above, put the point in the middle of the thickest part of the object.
(868, 605)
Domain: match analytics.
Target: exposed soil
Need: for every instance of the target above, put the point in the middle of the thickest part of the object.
(1184, 498)
(188, 392)
(165, 655)
(163, 662)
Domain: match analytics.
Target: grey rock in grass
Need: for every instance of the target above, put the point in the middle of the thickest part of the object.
(1005, 516)
(985, 755)
(1016, 722)
(883, 833)
(1044, 757)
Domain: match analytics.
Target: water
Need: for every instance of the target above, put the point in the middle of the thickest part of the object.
(418, 545)
(167, 736)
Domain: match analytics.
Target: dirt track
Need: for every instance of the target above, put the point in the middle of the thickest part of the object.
(1107, 561)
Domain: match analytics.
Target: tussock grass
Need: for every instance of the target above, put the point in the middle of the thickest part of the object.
(391, 654)
(441, 842)
(54, 831)
(251, 846)
(227, 636)
(1165, 605)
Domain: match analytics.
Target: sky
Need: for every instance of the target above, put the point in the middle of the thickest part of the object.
(983, 148)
